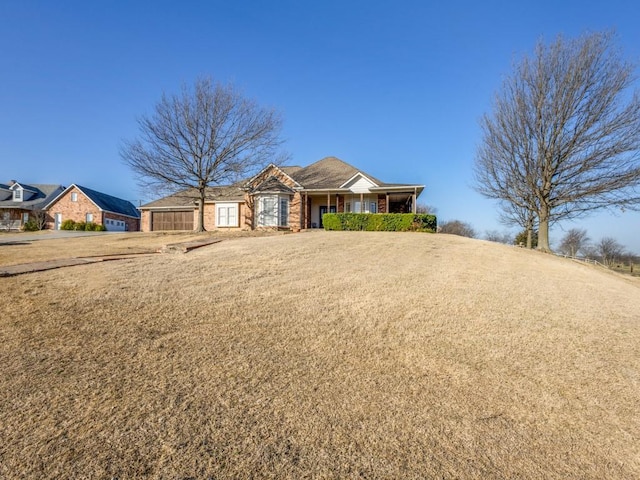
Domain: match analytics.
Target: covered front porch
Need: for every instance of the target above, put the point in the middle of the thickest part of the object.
(316, 203)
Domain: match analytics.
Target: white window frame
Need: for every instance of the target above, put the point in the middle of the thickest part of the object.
(18, 195)
(280, 206)
(74, 196)
(25, 217)
(223, 219)
(88, 217)
(283, 211)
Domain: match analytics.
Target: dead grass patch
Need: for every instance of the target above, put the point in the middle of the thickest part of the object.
(323, 355)
(46, 248)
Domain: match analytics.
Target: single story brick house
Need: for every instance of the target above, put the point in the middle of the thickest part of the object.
(21, 202)
(82, 204)
(289, 198)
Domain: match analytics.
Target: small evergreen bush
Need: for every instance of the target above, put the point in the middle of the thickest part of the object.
(94, 227)
(82, 226)
(68, 225)
(30, 226)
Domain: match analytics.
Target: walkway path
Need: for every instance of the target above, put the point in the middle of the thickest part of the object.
(20, 269)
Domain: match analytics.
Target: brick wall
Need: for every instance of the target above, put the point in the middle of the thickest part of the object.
(78, 210)
(295, 212)
(247, 223)
(145, 221)
(382, 203)
(75, 211)
(296, 205)
(275, 172)
(209, 217)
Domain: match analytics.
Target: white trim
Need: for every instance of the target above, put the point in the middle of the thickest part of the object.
(361, 175)
(274, 217)
(18, 194)
(226, 207)
(399, 188)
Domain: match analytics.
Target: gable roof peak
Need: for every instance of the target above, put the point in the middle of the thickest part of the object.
(103, 201)
(286, 171)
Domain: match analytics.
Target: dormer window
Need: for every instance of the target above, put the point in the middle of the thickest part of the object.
(17, 195)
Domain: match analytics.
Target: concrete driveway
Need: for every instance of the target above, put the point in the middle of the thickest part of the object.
(48, 235)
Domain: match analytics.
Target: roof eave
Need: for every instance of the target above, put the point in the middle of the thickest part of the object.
(326, 190)
(397, 188)
(354, 176)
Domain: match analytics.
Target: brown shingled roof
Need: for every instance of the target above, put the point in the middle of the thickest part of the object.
(272, 184)
(330, 172)
(189, 197)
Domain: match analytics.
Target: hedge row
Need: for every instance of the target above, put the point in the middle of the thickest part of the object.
(389, 222)
(87, 227)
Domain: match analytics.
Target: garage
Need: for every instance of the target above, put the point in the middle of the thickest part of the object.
(172, 220)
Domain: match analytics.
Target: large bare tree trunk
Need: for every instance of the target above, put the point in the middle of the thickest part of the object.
(565, 132)
(543, 229)
(200, 226)
(207, 135)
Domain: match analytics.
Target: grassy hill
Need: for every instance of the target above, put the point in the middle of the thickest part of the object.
(322, 355)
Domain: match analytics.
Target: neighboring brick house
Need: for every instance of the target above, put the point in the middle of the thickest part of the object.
(290, 198)
(82, 204)
(20, 203)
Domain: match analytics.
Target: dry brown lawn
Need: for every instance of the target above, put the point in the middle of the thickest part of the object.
(14, 251)
(322, 355)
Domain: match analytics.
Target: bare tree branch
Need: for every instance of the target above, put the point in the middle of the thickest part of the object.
(207, 135)
(564, 136)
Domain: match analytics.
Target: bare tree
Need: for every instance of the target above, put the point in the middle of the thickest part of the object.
(207, 135)
(527, 238)
(564, 135)
(521, 216)
(610, 250)
(5, 221)
(457, 227)
(498, 237)
(426, 209)
(39, 216)
(574, 241)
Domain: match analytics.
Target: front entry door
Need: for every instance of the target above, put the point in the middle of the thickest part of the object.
(323, 210)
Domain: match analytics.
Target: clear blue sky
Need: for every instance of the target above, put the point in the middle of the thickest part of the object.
(394, 87)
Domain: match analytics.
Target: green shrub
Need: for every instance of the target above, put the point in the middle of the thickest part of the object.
(521, 239)
(30, 226)
(94, 227)
(389, 222)
(330, 221)
(82, 226)
(68, 225)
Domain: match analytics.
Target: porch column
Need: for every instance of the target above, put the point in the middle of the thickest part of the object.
(306, 209)
(361, 203)
(413, 201)
(328, 202)
(387, 211)
(337, 203)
